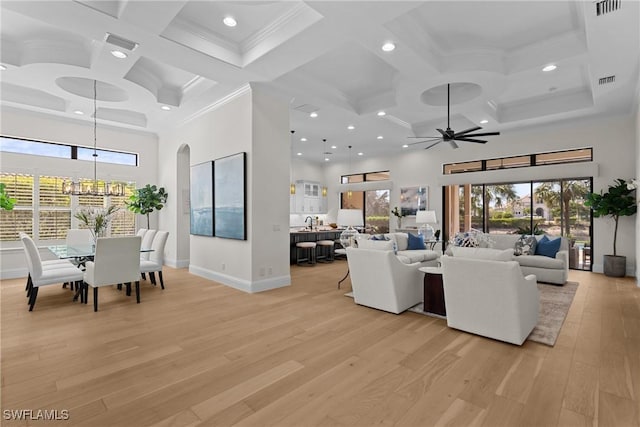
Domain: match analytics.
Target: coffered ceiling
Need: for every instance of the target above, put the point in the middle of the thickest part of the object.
(327, 58)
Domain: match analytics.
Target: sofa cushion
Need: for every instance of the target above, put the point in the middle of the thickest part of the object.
(415, 242)
(483, 253)
(401, 239)
(380, 245)
(548, 248)
(525, 245)
(379, 237)
(540, 262)
(503, 241)
(417, 255)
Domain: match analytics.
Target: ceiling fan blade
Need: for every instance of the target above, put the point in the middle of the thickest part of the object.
(435, 143)
(480, 141)
(453, 144)
(468, 130)
(425, 137)
(425, 140)
(442, 132)
(479, 134)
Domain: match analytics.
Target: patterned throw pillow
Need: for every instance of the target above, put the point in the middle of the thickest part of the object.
(525, 245)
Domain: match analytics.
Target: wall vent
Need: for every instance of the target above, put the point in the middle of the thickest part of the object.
(606, 6)
(120, 42)
(606, 80)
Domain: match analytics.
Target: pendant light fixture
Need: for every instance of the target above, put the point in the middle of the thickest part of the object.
(349, 192)
(324, 153)
(292, 186)
(76, 188)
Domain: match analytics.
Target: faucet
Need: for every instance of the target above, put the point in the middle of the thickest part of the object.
(310, 222)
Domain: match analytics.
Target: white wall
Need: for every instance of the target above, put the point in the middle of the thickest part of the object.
(29, 125)
(256, 122)
(613, 141)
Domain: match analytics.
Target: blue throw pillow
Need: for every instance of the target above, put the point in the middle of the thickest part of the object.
(548, 248)
(379, 237)
(415, 242)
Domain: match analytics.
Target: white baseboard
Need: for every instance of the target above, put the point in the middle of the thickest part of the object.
(177, 263)
(13, 273)
(242, 284)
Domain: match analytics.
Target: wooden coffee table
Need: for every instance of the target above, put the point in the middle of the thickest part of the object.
(433, 291)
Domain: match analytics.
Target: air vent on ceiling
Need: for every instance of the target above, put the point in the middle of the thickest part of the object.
(606, 6)
(606, 80)
(120, 42)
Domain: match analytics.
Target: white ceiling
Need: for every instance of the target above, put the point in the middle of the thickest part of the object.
(325, 57)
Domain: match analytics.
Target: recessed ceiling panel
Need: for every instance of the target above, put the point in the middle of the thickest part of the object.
(353, 70)
(84, 87)
(122, 116)
(502, 25)
(31, 97)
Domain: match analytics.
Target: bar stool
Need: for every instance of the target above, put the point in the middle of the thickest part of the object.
(310, 251)
(324, 250)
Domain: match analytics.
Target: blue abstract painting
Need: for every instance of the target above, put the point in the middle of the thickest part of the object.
(230, 197)
(201, 197)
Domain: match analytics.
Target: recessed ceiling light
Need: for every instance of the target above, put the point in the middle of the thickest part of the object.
(333, 147)
(381, 113)
(405, 146)
(351, 127)
(484, 121)
(380, 137)
(549, 67)
(326, 159)
(2, 67)
(165, 108)
(361, 154)
(229, 21)
(303, 139)
(299, 154)
(78, 112)
(118, 54)
(388, 46)
(314, 115)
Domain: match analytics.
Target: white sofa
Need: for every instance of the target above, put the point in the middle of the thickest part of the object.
(548, 270)
(490, 298)
(380, 280)
(426, 257)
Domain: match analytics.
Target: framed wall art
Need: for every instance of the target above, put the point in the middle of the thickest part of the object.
(229, 189)
(201, 199)
(413, 199)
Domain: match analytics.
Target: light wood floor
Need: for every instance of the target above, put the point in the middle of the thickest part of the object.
(200, 353)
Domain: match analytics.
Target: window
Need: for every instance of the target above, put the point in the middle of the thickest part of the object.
(65, 151)
(53, 211)
(54, 214)
(368, 176)
(19, 187)
(374, 203)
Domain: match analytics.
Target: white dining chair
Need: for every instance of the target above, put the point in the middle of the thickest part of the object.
(79, 237)
(42, 276)
(46, 264)
(141, 232)
(147, 241)
(117, 260)
(156, 258)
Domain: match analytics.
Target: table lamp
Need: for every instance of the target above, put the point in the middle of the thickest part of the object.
(349, 218)
(426, 218)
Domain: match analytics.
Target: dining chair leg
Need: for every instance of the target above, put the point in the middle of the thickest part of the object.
(161, 281)
(95, 299)
(144, 276)
(138, 291)
(152, 277)
(32, 298)
(119, 286)
(26, 288)
(29, 286)
(86, 293)
(128, 285)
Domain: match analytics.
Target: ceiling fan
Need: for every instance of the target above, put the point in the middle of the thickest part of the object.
(450, 135)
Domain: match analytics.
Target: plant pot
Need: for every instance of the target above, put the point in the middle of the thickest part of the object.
(615, 265)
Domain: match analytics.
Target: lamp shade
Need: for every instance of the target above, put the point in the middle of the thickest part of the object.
(350, 217)
(426, 217)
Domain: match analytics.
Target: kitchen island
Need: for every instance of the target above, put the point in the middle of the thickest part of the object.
(309, 236)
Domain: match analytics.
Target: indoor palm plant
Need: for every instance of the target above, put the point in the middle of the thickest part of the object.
(146, 200)
(618, 201)
(6, 202)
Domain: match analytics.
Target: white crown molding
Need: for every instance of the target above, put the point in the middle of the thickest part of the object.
(282, 21)
(219, 103)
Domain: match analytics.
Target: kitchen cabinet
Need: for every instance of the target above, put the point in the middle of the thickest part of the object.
(308, 198)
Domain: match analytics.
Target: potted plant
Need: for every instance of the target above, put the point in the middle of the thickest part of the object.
(146, 200)
(618, 201)
(96, 219)
(6, 202)
(399, 215)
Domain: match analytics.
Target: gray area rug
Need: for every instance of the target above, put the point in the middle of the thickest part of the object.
(554, 306)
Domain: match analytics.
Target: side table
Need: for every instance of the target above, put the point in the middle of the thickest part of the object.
(342, 252)
(433, 291)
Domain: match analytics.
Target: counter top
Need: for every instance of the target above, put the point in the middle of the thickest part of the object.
(314, 231)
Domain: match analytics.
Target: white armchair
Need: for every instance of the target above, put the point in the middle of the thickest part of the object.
(379, 280)
(490, 298)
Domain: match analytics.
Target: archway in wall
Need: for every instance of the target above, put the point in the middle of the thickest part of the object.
(183, 159)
